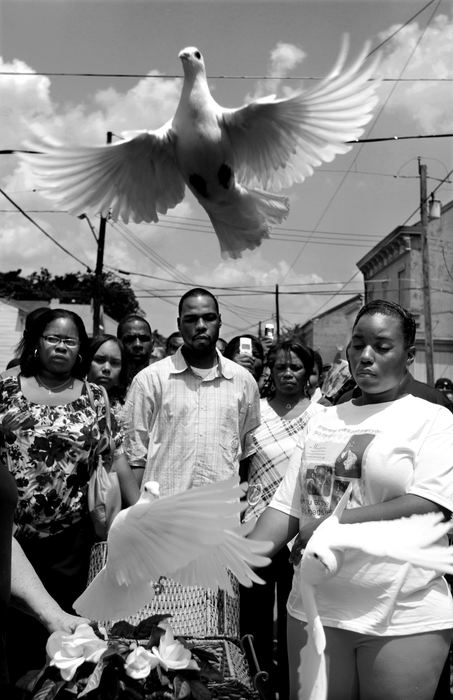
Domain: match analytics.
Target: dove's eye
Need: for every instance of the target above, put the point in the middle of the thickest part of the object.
(316, 556)
(197, 54)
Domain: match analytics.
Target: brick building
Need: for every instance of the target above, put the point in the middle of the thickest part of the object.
(329, 332)
(393, 270)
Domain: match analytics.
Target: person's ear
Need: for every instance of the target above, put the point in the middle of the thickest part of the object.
(178, 323)
(410, 355)
(220, 320)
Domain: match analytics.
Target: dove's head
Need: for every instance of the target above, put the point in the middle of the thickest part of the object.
(151, 488)
(192, 61)
(319, 564)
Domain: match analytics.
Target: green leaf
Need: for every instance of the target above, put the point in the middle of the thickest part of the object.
(94, 679)
(49, 689)
(149, 628)
(199, 690)
(30, 680)
(181, 688)
(204, 654)
(123, 629)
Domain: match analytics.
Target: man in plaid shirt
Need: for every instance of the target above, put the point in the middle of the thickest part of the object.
(189, 417)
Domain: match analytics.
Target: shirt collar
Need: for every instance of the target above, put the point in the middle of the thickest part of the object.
(179, 364)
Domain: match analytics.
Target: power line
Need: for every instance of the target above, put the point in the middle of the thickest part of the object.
(35, 223)
(12, 151)
(173, 76)
(343, 179)
(374, 124)
(399, 29)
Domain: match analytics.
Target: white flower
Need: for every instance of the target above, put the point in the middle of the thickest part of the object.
(140, 662)
(69, 651)
(172, 654)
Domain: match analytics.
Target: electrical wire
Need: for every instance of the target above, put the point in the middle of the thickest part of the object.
(35, 223)
(343, 179)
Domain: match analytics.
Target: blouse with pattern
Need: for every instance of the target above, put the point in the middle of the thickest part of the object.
(274, 441)
(51, 455)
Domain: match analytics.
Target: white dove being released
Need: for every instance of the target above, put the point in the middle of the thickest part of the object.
(409, 540)
(224, 156)
(193, 537)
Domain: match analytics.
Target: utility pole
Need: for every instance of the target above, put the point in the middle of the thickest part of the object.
(98, 287)
(277, 312)
(426, 286)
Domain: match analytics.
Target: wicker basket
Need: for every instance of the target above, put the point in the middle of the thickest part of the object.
(195, 611)
(232, 663)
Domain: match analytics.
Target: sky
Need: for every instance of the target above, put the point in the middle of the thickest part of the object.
(250, 48)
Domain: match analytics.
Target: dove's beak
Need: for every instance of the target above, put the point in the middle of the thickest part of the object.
(183, 55)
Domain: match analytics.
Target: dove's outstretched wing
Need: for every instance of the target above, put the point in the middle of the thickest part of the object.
(234, 554)
(193, 537)
(135, 179)
(105, 600)
(277, 142)
(409, 539)
(157, 537)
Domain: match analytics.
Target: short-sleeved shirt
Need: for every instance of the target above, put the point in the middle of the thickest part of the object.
(51, 456)
(186, 430)
(387, 450)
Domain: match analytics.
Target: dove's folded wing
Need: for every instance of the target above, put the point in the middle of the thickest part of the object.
(155, 538)
(276, 142)
(409, 539)
(135, 179)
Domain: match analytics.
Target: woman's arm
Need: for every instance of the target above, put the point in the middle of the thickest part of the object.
(129, 487)
(400, 507)
(275, 526)
(28, 592)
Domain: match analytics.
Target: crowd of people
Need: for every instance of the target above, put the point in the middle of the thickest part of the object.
(272, 413)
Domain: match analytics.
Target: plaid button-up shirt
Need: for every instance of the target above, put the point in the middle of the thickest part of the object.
(185, 430)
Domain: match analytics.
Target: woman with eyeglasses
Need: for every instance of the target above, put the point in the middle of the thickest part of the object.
(51, 421)
(284, 415)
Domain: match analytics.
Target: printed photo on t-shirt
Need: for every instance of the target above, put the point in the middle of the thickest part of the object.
(331, 464)
(349, 462)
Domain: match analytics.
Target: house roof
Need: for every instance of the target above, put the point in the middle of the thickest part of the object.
(83, 310)
(398, 233)
(348, 302)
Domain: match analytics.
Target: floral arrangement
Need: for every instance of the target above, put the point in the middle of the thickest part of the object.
(89, 664)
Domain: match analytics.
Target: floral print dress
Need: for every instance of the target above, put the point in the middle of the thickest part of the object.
(50, 450)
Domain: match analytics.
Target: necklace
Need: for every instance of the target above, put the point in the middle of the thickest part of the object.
(67, 384)
(288, 405)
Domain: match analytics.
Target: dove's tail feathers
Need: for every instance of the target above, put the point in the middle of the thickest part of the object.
(312, 673)
(104, 600)
(246, 221)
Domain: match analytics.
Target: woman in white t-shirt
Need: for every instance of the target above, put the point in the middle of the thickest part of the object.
(388, 624)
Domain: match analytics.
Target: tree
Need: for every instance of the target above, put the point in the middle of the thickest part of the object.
(73, 288)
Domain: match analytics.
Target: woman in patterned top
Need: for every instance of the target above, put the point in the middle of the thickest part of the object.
(283, 416)
(51, 427)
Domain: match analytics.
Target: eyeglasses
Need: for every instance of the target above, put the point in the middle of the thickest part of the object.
(56, 340)
(132, 338)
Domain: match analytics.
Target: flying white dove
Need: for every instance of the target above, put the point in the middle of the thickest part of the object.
(193, 537)
(224, 156)
(409, 540)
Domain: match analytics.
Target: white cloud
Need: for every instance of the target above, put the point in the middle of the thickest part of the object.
(427, 104)
(283, 59)
(27, 109)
